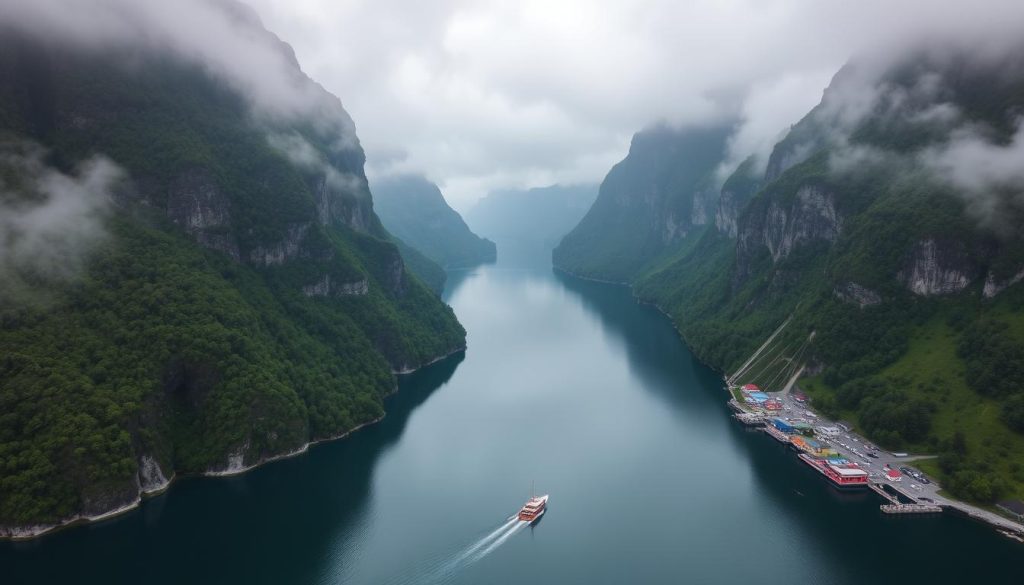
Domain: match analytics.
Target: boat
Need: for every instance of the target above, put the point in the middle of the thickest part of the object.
(841, 473)
(534, 508)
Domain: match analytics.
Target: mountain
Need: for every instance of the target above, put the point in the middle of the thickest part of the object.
(661, 193)
(887, 225)
(541, 215)
(414, 210)
(193, 280)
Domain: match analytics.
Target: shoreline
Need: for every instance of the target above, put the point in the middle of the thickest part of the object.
(31, 532)
(956, 507)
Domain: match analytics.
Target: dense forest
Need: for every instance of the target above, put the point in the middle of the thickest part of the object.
(234, 302)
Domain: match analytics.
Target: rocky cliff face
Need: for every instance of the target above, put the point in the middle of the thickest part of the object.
(653, 199)
(995, 285)
(196, 204)
(736, 192)
(938, 267)
(782, 227)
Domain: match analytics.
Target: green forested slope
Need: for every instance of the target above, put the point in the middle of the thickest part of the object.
(240, 302)
(910, 293)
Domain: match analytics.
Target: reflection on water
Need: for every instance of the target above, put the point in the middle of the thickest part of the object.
(567, 383)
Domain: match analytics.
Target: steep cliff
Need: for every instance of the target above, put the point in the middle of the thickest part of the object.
(415, 211)
(652, 200)
(191, 283)
(873, 228)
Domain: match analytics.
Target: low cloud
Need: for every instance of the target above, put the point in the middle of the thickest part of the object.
(300, 152)
(988, 173)
(50, 222)
(224, 37)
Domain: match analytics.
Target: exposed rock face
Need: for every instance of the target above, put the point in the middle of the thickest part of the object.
(349, 205)
(994, 285)
(851, 292)
(286, 249)
(811, 217)
(327, 287)
(151, 477)
(235, 463)
(938, 267)
(195, 203)
(672, 229)
(703, 203)
(727, 213)
(649, 201)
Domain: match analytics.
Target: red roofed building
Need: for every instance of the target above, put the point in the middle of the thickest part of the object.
(752, 387)
(893, 475)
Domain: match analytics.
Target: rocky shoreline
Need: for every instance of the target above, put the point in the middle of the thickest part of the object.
(151, 489)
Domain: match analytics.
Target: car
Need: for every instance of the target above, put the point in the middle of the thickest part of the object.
(924, 499)
(906, 470)
(925, 480)
(915, 486)
(872, 455)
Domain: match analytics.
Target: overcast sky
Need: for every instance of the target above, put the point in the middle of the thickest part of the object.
(481, 94)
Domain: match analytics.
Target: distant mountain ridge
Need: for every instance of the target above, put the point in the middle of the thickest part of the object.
(414, 210)
(542, 215)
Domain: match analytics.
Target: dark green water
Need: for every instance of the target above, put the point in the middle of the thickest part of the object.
(567, 383)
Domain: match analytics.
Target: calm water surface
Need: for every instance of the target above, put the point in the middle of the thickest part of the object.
(566, 383)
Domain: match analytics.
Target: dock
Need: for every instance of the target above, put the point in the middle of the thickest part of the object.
(777, 434)
(878, 489)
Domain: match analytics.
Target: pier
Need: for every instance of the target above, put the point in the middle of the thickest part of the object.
(880, 490)
(777, 434)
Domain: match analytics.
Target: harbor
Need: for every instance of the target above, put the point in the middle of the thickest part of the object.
(846, 460)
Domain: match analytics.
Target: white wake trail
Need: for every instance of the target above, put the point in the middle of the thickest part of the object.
(500, 540)
(498, 532)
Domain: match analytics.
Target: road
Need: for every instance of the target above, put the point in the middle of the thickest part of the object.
(874, 460)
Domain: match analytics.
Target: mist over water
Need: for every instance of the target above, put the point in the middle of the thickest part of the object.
(568, 384)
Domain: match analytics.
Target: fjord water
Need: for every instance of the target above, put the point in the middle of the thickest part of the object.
(568, 384)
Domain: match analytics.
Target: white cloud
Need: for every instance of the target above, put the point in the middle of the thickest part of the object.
(224, 37)
(479, 94)
(488, 93)
(989, 174)
(49, 221)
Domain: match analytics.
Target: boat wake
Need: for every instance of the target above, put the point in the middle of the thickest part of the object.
(500, 540)
(444, 569)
